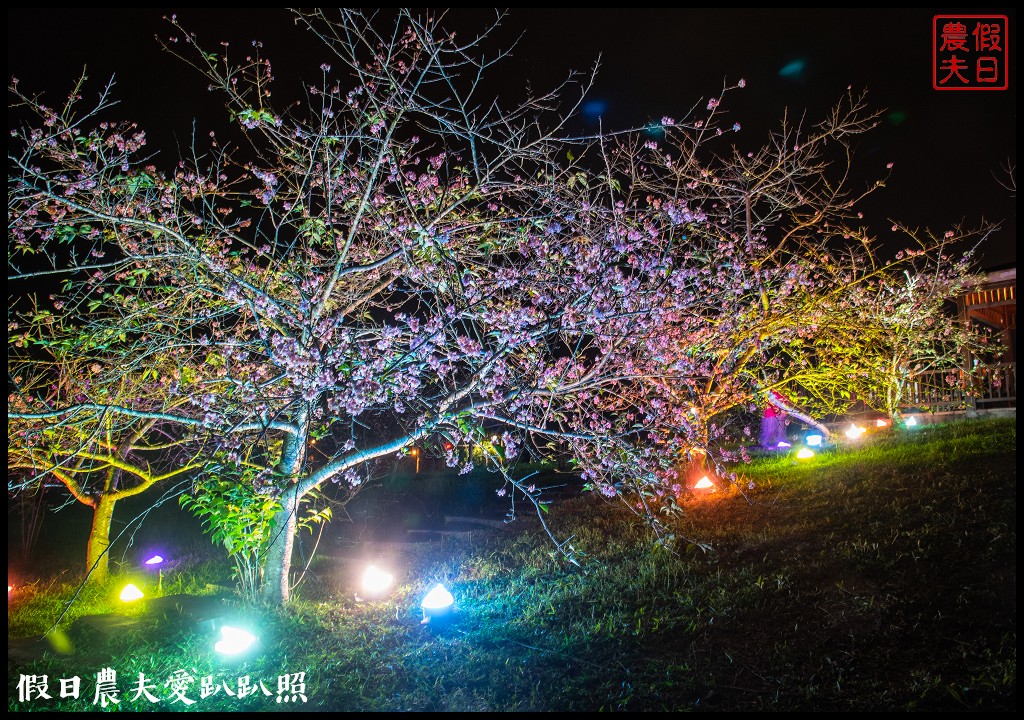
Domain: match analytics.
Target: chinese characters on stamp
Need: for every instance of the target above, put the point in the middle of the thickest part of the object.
(969, 52)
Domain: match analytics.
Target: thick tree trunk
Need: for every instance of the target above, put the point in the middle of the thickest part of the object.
(97, 558)
(276, 584)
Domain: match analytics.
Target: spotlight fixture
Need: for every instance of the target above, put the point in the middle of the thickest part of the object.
(704, 484)
(437, 605)
(375, 583)
(855, 432)
(233, 641)
(131, 593)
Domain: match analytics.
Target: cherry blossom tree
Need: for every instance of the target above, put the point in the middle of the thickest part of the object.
(390, 262)
(774, 234)
(778, 226)
(796, 296)
(397, 259)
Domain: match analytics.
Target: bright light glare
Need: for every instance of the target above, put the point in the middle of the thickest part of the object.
(805, 453)
(376, 581)
(233, 641)
(855, 432)
(155, 560)
(881, 423)
(814, 440)
(783, 444)
(437, 599)
(131, 593)
(911, 421)
(704, 483)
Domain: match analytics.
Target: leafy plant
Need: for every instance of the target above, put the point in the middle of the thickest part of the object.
(239, 518)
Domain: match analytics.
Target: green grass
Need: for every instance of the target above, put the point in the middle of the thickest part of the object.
(881, 578)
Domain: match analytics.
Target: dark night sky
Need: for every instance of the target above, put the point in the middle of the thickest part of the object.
(948, 147)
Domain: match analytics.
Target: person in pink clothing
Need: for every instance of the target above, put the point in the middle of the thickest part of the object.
(773, 423)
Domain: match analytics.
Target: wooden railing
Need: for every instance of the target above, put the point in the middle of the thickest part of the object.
(998, 385)
(992, 386)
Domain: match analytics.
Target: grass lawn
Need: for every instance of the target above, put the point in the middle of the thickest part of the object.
(875, 578)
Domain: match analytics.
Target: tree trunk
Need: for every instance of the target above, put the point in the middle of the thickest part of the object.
(276, 584)
(97, 558)
(895, 400)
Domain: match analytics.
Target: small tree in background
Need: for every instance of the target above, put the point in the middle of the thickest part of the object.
(898, 327)
(100, 457)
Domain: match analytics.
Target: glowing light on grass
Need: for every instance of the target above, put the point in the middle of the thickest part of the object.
(233, 641)
(881, 423)
(437, 604)
(911, 421)
(855, 432)
(376, 582)
(157, 561)
(783, 444)
(704, 484)
(814, 440)
(130, 593)
(437, 598)
(805, 454)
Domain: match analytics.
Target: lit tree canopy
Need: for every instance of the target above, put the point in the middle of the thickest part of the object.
(898, 324)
